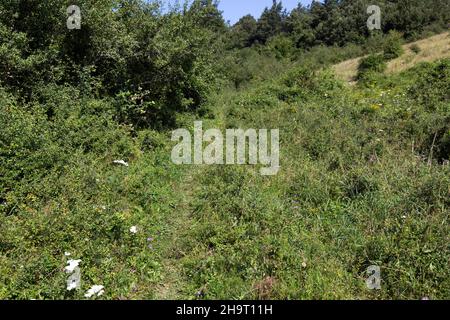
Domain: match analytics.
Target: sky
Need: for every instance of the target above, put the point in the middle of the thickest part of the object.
(233, 10)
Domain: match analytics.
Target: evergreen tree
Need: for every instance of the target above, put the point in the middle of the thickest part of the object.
(271, 22)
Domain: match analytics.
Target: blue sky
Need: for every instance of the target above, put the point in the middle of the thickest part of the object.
(235, 9)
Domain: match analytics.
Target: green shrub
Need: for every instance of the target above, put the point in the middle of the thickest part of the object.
(393, 46)
(282, 46)
(371, 64)
(432, 88)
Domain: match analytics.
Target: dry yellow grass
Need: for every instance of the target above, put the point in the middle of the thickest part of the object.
(433, 48)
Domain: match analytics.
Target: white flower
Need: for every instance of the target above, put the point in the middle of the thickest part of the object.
(304, 265)
(121, 162)
(71, 265)
(74, 280)
(133, 229)
(67, 253)
(95, 290)
(72, 285)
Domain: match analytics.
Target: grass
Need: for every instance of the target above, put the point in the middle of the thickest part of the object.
(365, 180)
(432, 49)
(354, 190)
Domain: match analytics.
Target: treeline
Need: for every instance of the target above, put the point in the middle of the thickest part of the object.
(338, 22)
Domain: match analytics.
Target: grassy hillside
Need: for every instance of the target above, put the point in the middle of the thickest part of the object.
(86, 176)
(365, 180)
(361, 184)
(425, 50)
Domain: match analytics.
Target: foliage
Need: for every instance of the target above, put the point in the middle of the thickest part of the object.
(341, 22)
(86, 118)
(130, 46)
(393, 47)
(373, 63)
(351, 194)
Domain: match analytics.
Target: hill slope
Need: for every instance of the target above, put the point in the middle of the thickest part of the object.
(364, 181)
(432, 49)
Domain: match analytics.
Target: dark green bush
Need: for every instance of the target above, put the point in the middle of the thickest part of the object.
(393, 46)
(432, 89)
(373, 63)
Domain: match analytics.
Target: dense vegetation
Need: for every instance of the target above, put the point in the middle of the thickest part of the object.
(338, 22)
(365, 176)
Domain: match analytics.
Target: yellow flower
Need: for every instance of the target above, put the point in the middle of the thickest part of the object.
(375, 107)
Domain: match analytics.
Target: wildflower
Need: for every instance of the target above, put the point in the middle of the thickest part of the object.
(133, 229)
(304, 264)
(375, 107)
(72, 284)
(74, 280)
(67, 253)
(71, 265)
(121, 162)
(95, 290)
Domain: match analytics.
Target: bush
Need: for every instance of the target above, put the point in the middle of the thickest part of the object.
(161, 58)
(393, 47)
(433, 87)
(371, 64)
(282, 46)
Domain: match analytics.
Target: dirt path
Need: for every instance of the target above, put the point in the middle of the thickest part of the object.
(432, 49)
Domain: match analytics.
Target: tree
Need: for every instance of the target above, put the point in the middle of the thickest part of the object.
(243, 32)
(208, 15)
(270, 23)
(299, 26)
(160, 62)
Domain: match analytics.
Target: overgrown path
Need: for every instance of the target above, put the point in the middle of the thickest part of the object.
(172, 284)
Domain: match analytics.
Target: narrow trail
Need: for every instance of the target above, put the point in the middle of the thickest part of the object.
(172, 284)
